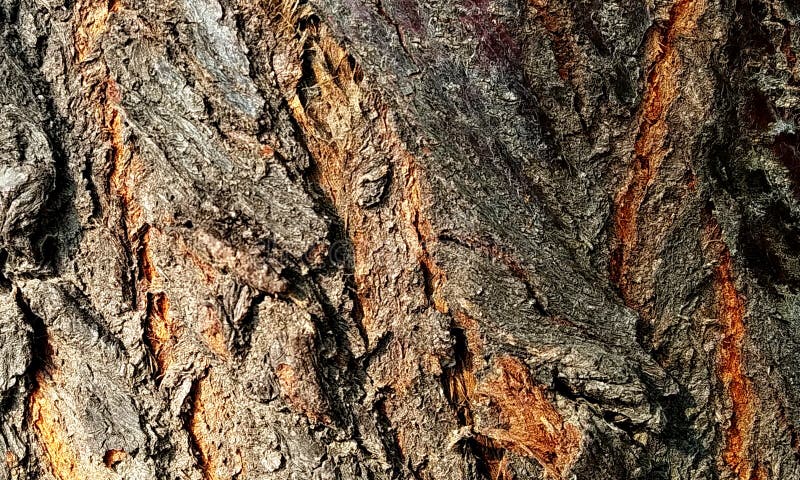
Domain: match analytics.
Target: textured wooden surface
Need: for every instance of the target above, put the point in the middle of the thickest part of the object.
(400, 239)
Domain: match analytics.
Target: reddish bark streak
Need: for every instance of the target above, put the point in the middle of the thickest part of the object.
(737, 387)
(631, 249)
(652, 140)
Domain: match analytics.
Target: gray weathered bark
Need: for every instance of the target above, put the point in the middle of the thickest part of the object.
(396, 239)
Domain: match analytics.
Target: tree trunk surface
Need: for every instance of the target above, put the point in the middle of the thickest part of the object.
(399, 239)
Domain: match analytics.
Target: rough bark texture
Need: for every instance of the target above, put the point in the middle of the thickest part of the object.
(399, 239)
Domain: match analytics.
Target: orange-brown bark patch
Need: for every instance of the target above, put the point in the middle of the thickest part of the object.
(209, 423)
(460, 383)
(50, 432)
(558, 26)
(460, 380)
(493, 458)
(531, 426)
(335, 127)
(205, 271)
(47, 420)
(267, 150)
(301, 393)
(126, 171)
(760, 473)
(126, 166)
(205, 419)
(737, 387)
(786, 48)
(92, 23)
(145, 265)
(411, 207)
(113, 457)
(160, 330)
(213, 335)
(652, 139)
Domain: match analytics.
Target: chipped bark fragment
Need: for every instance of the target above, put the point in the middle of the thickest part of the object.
(372, 187)
(293, 333)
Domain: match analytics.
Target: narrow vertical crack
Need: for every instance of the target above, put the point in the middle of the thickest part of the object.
(195, 423)
(160, 331)
(125, 171)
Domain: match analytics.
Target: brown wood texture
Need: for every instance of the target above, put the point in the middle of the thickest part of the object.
(399, 239)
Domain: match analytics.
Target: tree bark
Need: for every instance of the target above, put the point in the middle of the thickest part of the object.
(395, 239)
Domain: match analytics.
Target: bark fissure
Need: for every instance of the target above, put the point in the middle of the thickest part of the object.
(335, 91)
(459, 386)
(737, 387)
(652, 141)
(196, 426)
(160, 331)
(638, 238)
